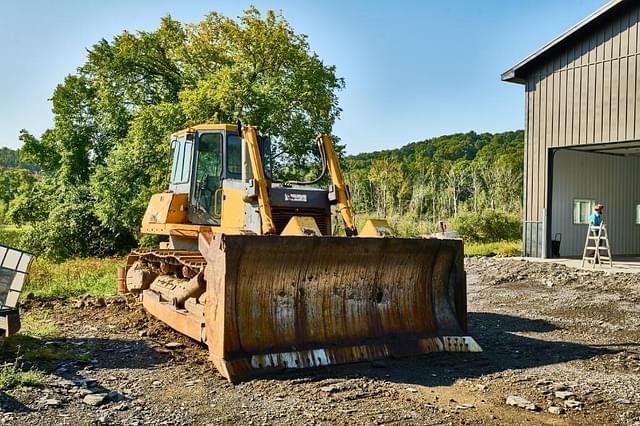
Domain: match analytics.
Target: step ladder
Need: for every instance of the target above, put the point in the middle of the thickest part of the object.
(597, 234)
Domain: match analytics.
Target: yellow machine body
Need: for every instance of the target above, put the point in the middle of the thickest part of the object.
(267, 286)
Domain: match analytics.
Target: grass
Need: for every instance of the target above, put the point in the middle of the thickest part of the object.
(42, 352)
(73, 278)
(39, 324)
(40, 342)
(13, 377)
(501, 248)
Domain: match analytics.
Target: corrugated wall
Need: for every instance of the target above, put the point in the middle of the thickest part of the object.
(607, 179)
(589, 94)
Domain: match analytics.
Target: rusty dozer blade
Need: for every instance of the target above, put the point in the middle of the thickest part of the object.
(278, 302)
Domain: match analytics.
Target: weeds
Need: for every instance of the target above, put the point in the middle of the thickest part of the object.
(41, 326)
(39, 342)
(47, 353)
(12, 376)
(501, 248)
(73, 278)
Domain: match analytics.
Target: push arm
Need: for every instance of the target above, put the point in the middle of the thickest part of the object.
(344, 203)
(251, 139)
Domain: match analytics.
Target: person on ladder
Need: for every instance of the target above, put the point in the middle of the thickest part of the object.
(595, 220)
(596, 216)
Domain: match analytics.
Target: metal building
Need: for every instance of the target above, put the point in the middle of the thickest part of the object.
(582, 132)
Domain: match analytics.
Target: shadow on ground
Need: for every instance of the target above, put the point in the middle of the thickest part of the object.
(73, 359)
(503, 349)
(10, 404)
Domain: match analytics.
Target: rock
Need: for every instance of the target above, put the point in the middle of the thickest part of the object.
(115, 396)
(414, 390)
(156, 383)
(65, 383)
(465, 406)
(556, 410)
(95, 399)
(330, 388)
(173, 345)
(52, 402)
(518, 401)
(123, 406)
(623, 401)
(142, 333)
(80, 304)
(559, 387)
(572, 403)
(564, 394)
(85, 383)
(85, 391)
(101, 302)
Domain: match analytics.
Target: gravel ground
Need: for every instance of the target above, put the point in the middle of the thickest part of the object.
(561, 346)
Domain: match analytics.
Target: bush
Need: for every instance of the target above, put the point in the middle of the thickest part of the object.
(73, 230)
(11, 235)
(488, 226)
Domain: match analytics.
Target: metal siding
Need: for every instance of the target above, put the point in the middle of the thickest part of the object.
(535, 151)
(637, 74)
(529, 149)
(569, 107)
(555, 131)
(534, 239)
(541, 240)
(588, 94)
(562, 103)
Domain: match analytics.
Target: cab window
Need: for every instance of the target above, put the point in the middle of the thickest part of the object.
(234, 154)
(209, 169)
(182, 154)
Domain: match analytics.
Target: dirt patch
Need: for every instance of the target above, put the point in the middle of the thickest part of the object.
(565, 341)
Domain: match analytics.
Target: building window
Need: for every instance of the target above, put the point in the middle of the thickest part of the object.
(582, 210)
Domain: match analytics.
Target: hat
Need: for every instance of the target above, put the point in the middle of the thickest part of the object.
(599, 207)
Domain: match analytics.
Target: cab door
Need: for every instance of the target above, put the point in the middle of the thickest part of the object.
(206, 200)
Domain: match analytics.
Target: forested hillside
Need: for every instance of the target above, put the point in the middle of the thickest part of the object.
(439, 178)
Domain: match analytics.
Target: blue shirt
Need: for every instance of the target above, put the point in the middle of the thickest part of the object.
(595, 219)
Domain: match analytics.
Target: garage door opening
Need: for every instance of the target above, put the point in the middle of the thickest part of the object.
(585, 176)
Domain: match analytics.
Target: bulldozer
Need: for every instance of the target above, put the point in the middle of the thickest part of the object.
(252, 269)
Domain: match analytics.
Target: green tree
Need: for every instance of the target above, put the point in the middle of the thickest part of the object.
(113, 118)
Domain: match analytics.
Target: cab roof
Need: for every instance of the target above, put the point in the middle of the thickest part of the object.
(201, 127)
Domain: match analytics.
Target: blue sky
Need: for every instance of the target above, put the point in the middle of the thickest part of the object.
(413, 69)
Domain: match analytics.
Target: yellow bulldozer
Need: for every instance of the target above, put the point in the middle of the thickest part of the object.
(252, 269)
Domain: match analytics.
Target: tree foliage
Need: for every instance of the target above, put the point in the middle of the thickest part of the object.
(109, 146)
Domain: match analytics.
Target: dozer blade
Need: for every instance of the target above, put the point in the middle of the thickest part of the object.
(277, 302)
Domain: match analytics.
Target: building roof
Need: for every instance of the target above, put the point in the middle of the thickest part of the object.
(518, 73)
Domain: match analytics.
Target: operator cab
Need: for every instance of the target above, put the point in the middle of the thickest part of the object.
(203, 157)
